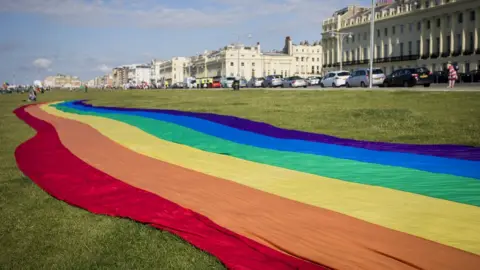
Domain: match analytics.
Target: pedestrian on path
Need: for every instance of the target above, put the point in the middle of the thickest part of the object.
(452, 75)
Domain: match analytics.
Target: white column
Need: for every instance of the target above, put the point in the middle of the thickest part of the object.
(422, 37)
(382, 51)
(433, 27)
(466, 18)
(440, 33)
(477, 27)
(453, 18)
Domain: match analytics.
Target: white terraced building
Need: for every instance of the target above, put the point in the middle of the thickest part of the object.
(302, 59)
(407, 33)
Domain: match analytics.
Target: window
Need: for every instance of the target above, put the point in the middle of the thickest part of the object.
(439, 23)
(401, 48)
(418, 46)
(427, 46)
(242, 64)
(378, 32)
(467, 67)
(303, 58)
(365, 53)
(428, 24)
(419, 26)
(253, 64)
(471, 39)
(364, 35)
(438, 46)
(385, 51)
(313, 59)
(353, 56)
(231, 64)
(472, 15)
(427, 4)
(448, 21)
(409, 48)
(393, 30)
(460, 17)
(386, 31)
(378, 52)
(410, 27)
(353, 38)
(318, 59)
(449, 43)
(401, 29)
(297, 59)
(459, 41)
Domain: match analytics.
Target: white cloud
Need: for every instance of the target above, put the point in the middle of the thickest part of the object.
(42, 63)
(151, 14)
(103, 68)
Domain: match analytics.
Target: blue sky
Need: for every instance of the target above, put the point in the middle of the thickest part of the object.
(86, 38)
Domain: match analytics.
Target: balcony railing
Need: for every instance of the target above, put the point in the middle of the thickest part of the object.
(434, 55)
(477, 51)
(396, 58)
(425, 56)
(446, 54)
(456, 53)
(324, 65)
(468, 52)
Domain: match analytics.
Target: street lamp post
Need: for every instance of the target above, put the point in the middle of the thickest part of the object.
(372, 42)
(341, 36)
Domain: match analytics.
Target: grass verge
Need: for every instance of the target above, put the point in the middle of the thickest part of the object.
(37, 231)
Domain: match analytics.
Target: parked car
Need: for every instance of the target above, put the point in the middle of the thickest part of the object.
(255, 82)
(335, 79)
(472, 76)
(227, 82)
(189, 83)
(243, 83)
(273, 81)
(442, 77)
(294, 82)
(359, 78)
(178, 85)
(409, 77)
(216, 82)
(313, 80)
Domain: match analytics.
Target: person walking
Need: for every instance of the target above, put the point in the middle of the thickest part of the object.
(452, 76)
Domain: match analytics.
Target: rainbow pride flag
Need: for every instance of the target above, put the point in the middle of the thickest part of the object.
(258, 196)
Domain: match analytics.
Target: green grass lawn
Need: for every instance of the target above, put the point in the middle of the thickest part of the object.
(37, 231)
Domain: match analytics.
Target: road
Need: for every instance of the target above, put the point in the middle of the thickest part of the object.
(461, 87)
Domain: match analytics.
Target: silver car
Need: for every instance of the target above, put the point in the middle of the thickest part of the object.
(313, 80)
(294, 82)
(255, 82)
(273, 81)
(335, 78)
(359, 78)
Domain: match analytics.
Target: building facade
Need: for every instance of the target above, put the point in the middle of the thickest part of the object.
(303, 59)
(173, 70)
(62, 81)
(426, 33)
(141, 74)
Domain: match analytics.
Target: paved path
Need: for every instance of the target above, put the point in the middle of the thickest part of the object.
(465, 87)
